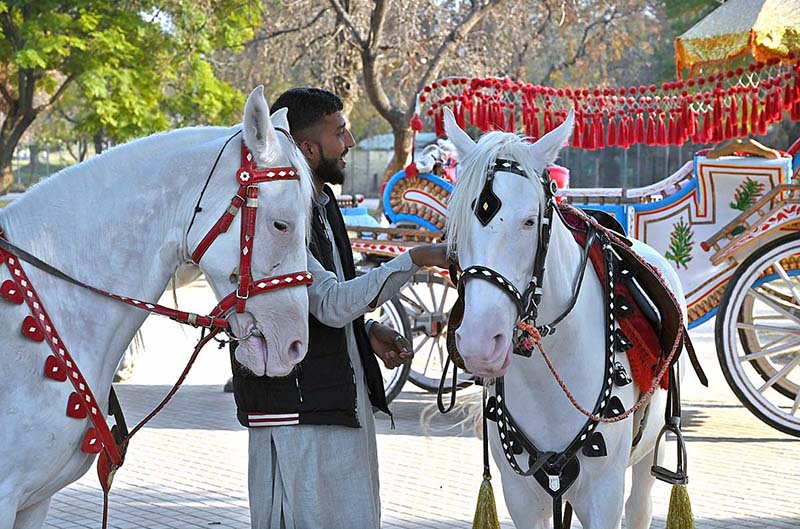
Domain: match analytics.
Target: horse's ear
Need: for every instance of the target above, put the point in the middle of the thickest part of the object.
(259, 134)
(545, 150)
(462, 141)
(280, 119)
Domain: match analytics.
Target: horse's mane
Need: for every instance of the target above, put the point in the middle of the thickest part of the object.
(472, 177)
(90, 170)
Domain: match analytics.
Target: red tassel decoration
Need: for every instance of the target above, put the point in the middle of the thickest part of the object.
(754, 112)
(548, 122)
(599, 133)
(630, 125)
(512, 121)
(535, 124)
(416, 123)
(650, 138)
(762, 123)
(638, 135)
(577, 132)
(438, 123)
(706, 135)
(612, 132)
(672, 132)
(728, 129)
(661, 132)
(588, 136)
(743, 127)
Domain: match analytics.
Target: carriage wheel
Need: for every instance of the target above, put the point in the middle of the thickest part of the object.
(758, 333)
(427, 299)
(392, 314)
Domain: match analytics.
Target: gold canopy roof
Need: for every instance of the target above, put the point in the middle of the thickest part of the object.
(764, 28)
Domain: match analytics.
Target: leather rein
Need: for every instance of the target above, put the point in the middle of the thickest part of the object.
(111, 443)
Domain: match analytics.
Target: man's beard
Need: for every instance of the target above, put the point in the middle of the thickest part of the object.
(328, 170)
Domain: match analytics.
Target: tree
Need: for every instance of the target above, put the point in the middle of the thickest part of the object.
(392, 48)
(136, 66)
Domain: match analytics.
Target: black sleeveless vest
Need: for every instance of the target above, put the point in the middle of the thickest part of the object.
(321, 389)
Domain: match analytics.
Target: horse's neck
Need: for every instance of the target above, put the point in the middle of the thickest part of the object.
(576, 349)
(117, 223)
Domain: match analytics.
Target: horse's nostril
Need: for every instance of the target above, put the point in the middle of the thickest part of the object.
(296, 351)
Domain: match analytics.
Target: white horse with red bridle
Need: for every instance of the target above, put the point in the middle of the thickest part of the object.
(124, 222)
(498, 215)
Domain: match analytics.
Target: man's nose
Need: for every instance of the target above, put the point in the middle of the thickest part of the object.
(349, 140)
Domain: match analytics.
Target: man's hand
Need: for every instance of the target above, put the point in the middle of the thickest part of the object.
(430, 255)
(390, 346)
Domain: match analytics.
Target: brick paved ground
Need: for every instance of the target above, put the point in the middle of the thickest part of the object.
(188, 470)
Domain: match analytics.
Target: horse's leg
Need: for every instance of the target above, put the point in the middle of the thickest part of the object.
(639, 507)
(32, 517)
(600, 505)
(528, 509)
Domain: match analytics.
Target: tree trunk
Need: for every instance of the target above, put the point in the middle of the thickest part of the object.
(6, 179)
(403, 137)
(99, 141)
(33, 161)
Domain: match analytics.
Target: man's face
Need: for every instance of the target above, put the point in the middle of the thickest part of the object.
(327, 147)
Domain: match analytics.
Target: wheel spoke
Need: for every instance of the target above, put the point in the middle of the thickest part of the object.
(795, 404)
(761, 327)
(771, 350)
(419, 300)
(773, 304)
(789, 284)
(444, 298)
(780, 374)
(411, 304)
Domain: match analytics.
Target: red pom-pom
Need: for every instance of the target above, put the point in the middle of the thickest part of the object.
(411, 170)
(416, 123)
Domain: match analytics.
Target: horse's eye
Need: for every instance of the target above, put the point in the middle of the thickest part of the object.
(280, 226)
(530, 222)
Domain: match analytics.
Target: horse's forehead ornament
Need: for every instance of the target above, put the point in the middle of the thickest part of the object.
(488, 203)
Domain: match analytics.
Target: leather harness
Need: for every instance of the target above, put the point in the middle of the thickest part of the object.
(557, 471)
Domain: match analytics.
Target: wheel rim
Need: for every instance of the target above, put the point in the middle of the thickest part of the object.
(762, 349)
(427, 300)
(388, 315)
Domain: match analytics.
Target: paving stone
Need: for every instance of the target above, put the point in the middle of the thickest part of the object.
(187, 469)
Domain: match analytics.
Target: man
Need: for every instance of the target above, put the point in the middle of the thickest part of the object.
(323, 472)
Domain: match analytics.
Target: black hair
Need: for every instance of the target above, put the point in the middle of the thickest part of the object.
(307, 107)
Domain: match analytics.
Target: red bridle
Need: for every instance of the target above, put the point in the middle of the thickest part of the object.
(60, 365)
(246, 199)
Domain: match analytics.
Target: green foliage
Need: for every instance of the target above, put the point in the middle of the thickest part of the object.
(129, 67)
(746, 194)
(680, 244)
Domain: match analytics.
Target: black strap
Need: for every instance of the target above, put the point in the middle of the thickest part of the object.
(197, 208)
(453, 388)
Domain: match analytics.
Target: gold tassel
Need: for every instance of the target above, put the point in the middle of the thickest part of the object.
(679, 515)
(486, 510)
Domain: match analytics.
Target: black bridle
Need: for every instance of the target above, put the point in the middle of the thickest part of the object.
(486, 207)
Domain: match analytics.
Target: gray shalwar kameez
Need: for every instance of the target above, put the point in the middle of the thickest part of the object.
(326, 477)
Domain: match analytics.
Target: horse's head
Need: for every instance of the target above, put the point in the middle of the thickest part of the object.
(275, 321)
(495, 221)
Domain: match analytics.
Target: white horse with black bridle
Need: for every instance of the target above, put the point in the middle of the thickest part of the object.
(124, 222)
(499, 214)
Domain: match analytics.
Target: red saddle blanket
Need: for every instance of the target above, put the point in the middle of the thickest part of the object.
(645, 349)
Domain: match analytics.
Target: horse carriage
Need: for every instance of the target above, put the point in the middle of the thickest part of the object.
(727, 221)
